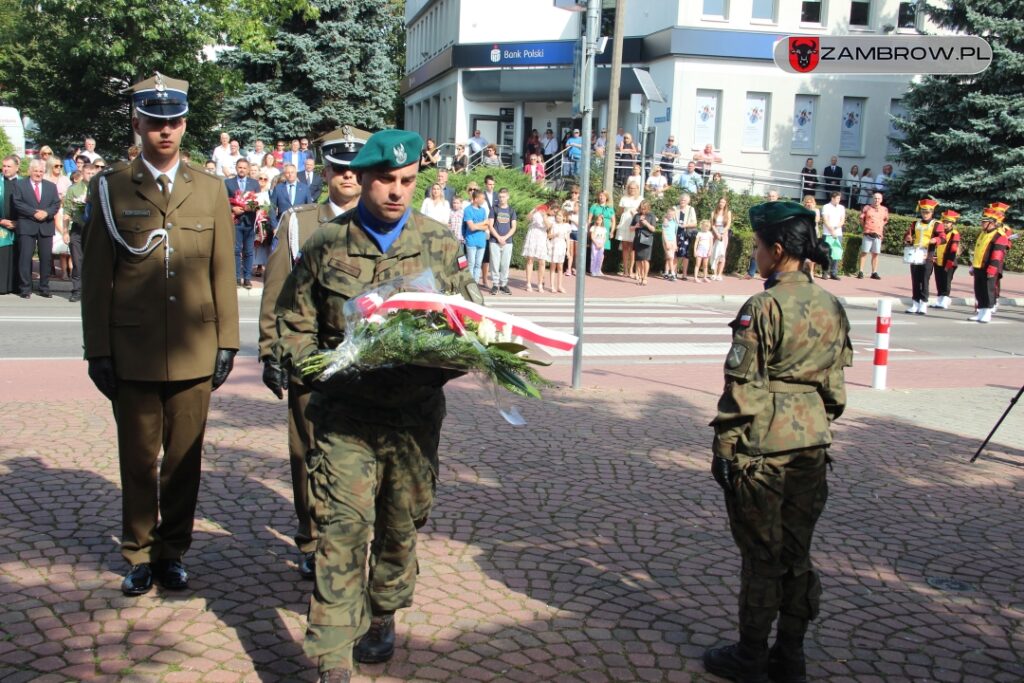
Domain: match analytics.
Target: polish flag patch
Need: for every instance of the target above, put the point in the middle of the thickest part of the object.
(744, 321)
(463, 263)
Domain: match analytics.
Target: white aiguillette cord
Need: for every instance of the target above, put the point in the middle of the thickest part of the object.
(155, 236)
(293, 237)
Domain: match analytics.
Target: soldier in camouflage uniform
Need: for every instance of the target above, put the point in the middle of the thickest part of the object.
(373, 467)
(296, 226)
(783, 387)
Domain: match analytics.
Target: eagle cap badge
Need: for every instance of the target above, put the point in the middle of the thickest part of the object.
(400, 155)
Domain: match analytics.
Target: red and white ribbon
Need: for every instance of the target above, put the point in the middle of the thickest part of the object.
(457, 309)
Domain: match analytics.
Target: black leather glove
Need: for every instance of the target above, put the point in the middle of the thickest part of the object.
(222, 368)
(275, 377)
(101, 372)
(721, 469)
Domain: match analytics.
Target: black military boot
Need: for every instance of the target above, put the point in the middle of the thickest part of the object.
(378, 645)
(786, 663)
(743, 662)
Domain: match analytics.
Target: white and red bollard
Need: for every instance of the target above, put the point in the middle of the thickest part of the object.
(883, 322)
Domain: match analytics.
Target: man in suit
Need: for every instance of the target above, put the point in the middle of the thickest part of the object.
(311, 179)
(833, 177)
(160, 326)
(8, 245)
(295, 156)
(442, 180)
(36, 202)
(288, 193)
(245, 222)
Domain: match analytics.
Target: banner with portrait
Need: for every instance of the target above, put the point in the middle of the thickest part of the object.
(804, 112)
(755, 114)
(705, 122)
(851, 126)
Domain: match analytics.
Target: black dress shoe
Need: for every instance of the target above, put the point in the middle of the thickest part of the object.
(247, 284)
(378, 645)
(46, 295)
(138, 580)
(75, 297)
(307, 566)
(25, 296)
(171, 574)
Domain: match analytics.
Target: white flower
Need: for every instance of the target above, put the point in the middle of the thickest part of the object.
(486, 331)
(505, 333)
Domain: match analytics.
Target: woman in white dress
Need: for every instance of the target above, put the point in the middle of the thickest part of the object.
(55, 174)
(721, 223)
(435, 205)
(535, 247)
(270, 169)
(624, 232)
(264, 234)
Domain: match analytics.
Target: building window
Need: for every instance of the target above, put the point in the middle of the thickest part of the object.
(851, 126)
(805, 110)
(860, 12)
(763, 10)
(908, 15)
(896, 111)
(716, 8)
(705, 122)
(755, 122)
(812, 12)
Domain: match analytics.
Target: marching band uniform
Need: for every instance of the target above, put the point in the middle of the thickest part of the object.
(987, 263)
(925, 233)
(945, 258)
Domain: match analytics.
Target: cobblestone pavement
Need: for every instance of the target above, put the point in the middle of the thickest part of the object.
(590, 545)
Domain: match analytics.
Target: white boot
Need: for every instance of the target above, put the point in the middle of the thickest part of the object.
(995, 307)
(922, 308)
(913, 307)
(986, 315)
(944, 302)
(977, 315)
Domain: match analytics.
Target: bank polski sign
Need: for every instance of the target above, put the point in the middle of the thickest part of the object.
(550, 53)
(949, 55)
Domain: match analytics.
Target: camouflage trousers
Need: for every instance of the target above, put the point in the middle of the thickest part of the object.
(775, 504)
(365, 479)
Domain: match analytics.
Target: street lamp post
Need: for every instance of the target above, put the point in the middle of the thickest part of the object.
(590, 37)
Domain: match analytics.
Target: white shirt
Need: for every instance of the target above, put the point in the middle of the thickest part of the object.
(657, 182)
(881, 180)
(157, 173)
(226, 166)
(93, 156)
(440, 210)
(256, 158)
(477, 144)
(219, 153)
(550, 145)
(833, 215)
(335, 209)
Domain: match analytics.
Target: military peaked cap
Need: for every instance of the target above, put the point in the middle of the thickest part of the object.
(160, 97)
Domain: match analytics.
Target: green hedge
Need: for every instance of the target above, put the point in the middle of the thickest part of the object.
(525, 195)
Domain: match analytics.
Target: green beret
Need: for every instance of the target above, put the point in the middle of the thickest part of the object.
(770, 213)
(389, 149)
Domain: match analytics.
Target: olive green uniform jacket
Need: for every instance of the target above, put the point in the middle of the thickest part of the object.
(160, 323)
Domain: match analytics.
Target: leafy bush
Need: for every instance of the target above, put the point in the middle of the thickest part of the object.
(6, 146)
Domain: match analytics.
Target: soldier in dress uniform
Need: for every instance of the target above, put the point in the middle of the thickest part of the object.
(374, 462)
(297, 225)
(945, 258)
(784, 386)
(160, 322)
(925, 234)
(987, 262)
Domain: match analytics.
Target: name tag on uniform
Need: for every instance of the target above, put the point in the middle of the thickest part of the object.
(136, 212)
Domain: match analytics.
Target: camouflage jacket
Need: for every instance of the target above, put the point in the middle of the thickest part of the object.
(784, 371)
(340, 262)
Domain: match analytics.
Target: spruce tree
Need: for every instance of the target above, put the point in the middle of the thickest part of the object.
(322, 72)
(963, 136)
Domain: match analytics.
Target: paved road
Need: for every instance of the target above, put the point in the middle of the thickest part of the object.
(618, 331)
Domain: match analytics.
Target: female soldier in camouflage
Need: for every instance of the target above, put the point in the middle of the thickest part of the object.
(783, 387)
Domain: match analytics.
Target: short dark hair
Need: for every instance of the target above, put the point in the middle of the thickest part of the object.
(490, 177)
(834, 194)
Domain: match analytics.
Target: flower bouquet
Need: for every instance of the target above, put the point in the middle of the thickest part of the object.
(389, 326)
(247, 201)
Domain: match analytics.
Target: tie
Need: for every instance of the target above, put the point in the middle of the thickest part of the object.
(35, 188)
(309, 178)
(165, 185)
(242, 185)
(291, 193)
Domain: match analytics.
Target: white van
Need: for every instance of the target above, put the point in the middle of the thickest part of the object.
(10, 122)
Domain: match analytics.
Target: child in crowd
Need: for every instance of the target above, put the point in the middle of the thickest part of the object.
(669, 226)
(702, 250)
(598, 236)
(455, 218)
(558, 245)
(535, 246)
